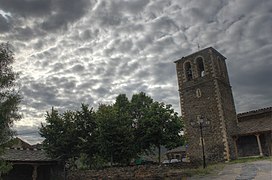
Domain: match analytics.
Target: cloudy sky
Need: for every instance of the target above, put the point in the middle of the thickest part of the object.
(70, 52)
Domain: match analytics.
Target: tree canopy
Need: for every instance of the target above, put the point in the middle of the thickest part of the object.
(9, 97)
(117, 133)
(69, 134)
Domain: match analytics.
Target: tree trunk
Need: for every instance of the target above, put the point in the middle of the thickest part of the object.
(111, 159)
(159, 148)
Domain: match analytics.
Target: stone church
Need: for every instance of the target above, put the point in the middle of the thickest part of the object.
(212, 127)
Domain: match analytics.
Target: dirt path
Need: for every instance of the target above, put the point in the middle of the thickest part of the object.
(258, 170)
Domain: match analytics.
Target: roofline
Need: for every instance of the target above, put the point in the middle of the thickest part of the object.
(25, 149)
(33, 162)
(53, 160)
(251, 133)
(199, 52)
(255, 112)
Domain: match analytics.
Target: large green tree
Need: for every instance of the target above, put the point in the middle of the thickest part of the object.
(9, 99)
(162, 127)
(9, 95)
(69, 134)
(86, 130)
(125, 120)
(115, 131)
(59, 133)
(139, 106)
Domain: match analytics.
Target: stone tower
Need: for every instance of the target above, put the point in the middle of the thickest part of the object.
(205, 93)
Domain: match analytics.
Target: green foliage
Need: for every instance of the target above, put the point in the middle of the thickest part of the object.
(69, 134)
(82, 162)
(55, 134)
(9, 99)
(115, 136)
(114, 133)
(86, 130)
(98, 161)
(5, 167)
(9, 96)
(107, 123)
(140, 105)
(161, 126)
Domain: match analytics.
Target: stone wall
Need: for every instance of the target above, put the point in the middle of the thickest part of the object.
(209, 96)
(132, 172)
(248, 146)
(252, 124)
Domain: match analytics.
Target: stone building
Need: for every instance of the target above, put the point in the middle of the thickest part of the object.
(208, 109)
(176, 153)
(30, 163)
(254, 135)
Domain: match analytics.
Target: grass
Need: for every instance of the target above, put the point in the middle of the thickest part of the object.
(210, 169)
(213, 169)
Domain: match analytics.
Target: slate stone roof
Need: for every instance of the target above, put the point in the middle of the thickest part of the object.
(254, 112)
(27, 155)
(255, 121)
(18, 143)
(251, 126)
(177, 150)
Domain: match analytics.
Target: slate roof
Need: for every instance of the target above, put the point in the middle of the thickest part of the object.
(254, 112)
(255, 121)
(255, 126)
(25, 155)
(18, 143)
(177, 150)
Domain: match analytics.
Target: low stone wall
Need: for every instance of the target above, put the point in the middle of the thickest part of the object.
(132, 172)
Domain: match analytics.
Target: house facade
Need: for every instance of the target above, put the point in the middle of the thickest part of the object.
(31, 163)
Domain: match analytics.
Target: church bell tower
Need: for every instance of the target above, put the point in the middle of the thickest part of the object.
(206, 98)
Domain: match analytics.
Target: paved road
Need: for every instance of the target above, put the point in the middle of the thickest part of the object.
(258, 170)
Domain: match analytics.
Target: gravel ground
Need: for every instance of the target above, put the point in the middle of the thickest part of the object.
(258, 170)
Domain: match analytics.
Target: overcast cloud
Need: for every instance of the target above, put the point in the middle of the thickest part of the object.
(71, 52)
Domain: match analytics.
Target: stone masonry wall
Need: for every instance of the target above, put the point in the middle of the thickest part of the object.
(213, 100)
(132, 172)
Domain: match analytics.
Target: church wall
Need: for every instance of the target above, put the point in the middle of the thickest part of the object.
(215, 104)
(248, 146)
(209, 94)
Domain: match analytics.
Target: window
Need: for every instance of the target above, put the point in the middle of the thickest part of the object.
(200, 67)
(188, 71)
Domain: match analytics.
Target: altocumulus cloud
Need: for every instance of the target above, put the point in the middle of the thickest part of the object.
(71, 52)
